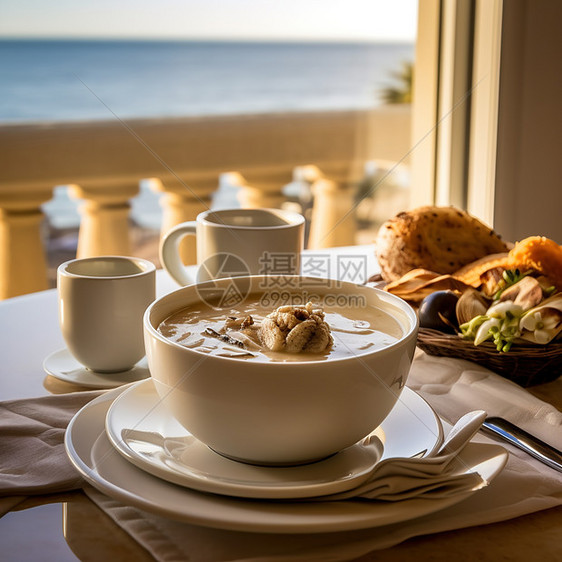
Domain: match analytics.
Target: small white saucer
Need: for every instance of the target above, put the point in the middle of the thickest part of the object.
(144, 432)
(62, 365)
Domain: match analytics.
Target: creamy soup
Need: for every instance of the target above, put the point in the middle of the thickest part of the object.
(236, 332)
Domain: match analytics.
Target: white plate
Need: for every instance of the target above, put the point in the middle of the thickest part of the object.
(144, 432)
(62, 365)
(102, 466)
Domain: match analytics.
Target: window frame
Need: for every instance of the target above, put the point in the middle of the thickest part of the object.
(455, 104)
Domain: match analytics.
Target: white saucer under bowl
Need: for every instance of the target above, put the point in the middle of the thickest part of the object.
(91, 452)
(62, 365)
(145, 433)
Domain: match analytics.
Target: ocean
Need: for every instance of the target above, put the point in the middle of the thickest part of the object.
(59, 80)
(68, 80)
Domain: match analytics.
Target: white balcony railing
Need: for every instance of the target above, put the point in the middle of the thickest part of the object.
(104, 162)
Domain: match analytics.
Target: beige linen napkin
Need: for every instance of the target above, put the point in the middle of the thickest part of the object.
(32, 455)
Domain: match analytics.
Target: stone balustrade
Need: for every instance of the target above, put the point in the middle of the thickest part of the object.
(103, 163)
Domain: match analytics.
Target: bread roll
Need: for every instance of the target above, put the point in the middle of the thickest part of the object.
(439, 239)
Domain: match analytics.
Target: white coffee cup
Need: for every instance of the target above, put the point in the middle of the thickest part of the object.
(101, 304)
(236, 242)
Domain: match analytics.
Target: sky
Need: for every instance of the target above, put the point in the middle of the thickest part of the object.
(329, 20)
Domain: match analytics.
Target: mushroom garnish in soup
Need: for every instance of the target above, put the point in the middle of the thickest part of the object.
(289, 333)
(295, 329)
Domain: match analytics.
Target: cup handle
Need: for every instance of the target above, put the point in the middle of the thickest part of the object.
(169, 252)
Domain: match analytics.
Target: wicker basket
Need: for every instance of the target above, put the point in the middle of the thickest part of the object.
(525, 364)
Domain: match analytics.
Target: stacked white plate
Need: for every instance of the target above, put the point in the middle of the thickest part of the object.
(126, 444)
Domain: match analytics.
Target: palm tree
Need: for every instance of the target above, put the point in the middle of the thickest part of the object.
(402, 92)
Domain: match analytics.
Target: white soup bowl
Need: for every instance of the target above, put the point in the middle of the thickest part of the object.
(279, 412)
